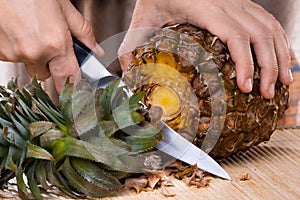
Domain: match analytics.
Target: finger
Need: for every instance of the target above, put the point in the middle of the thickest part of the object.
(64, 65)
(80, 27)
(237, 39)
(284, 58)
(60, 73)
(293, 61)
(266, 58)
(40, 71)
(240, 51)
(281, 43)
(262, 40)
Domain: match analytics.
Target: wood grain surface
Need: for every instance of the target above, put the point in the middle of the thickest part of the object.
(273, 169)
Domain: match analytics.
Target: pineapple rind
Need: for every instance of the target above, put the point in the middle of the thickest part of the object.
(248, 119)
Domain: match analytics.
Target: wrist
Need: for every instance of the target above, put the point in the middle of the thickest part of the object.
(158, 13)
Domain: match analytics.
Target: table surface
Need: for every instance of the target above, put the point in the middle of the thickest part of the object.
(274, 168)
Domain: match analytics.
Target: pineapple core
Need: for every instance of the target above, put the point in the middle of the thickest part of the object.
(167, 99)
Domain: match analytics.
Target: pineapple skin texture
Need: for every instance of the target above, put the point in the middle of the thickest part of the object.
(243, 119)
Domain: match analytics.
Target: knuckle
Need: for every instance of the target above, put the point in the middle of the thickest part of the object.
(56, 40)
(28, 51)
(275, 25)
(272, 66)
(250, 63)
(286, 58)
(40, 51)
(270, 70)
(275, 68)
(239, 35)
(56, 44)
(262, 34)
(86, 28)
(5, 55)
(273, 72)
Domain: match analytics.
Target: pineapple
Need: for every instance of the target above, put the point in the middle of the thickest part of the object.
(84, 147)
(228, 120)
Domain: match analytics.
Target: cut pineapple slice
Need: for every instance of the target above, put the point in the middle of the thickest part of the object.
(167, 99)
(166, 59)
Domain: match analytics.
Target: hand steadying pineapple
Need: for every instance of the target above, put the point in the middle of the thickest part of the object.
(230, 120)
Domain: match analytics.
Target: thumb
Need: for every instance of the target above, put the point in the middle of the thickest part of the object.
(80, 28)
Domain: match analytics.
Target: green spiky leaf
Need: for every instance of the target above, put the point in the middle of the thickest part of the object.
(12, 84)
(22, 188)
(35, 89)
(141, 144)
(38, 128)
(3, 151)
(66, 93)
(41, 174)
(32, 182)
(12, 136)
(83, 110)
(80, 184)
(97, 153)
(52, 176)
(109, 127)
(3, 141)
(20, 128)
(93, 174)
(37, 152)
(48, 139)
(10, 163)
(105, 99)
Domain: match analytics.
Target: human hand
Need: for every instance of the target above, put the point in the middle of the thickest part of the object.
(39, 34)
(238, 23)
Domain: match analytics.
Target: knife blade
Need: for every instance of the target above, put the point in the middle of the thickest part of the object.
(172, 143)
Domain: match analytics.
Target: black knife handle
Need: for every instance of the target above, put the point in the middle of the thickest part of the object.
(82, 52)
(98, 78)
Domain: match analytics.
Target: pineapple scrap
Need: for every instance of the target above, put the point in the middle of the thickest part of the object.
(192, 176)
(245, 177)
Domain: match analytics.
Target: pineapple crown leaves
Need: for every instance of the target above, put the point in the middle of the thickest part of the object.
(84, 143)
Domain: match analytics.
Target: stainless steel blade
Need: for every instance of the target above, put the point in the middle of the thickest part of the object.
(172, 143)
(180, 148)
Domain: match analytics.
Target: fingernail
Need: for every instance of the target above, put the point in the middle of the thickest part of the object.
(248, 84)
(291, 75)
(272, 90)
(99, 51)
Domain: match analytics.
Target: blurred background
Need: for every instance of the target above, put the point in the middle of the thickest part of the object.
(110, 17)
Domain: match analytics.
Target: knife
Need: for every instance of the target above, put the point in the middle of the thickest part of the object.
(172, 143)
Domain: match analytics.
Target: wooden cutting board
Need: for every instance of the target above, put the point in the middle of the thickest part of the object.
(273, 167)
(274, 170)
